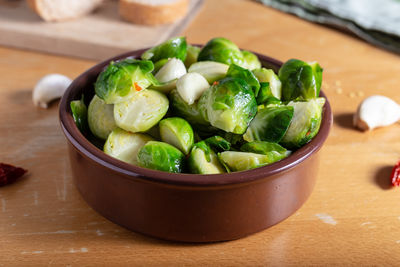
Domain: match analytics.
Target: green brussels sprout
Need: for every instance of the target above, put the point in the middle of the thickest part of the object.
(122, 79)
(101, 118)
(250, 60)
(142, 111)
(210, 70)
(164, 88)
(274, 151)
(300, 80)
(172, 48)
(242, 161)
(229, 105)
(203, 160)
(221, 50)
(245, 74)
(235, 139)
(270, 124)
(268, 76)
(79, 113)
(265, 96)
(218, 143)
(305, 124)
(190, 113)
(177, 132)
(192, 54)
(154, 132)
(161, 156)
(124, 145)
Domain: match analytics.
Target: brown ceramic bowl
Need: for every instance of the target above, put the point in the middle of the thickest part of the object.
(188, 207)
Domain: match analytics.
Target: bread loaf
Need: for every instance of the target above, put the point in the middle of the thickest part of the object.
(59, 10)
(153, 12)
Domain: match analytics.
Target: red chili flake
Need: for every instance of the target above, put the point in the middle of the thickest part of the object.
(395, 176)
(137, 87)
(9, 173)
(215, 83)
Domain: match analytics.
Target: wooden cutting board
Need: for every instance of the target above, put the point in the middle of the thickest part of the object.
(97, 36)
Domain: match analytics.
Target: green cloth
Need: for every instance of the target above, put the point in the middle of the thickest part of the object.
(376, 21)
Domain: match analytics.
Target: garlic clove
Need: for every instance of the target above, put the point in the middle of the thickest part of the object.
(376, 111)
(49, 88)
(191, 86)
(173, 69)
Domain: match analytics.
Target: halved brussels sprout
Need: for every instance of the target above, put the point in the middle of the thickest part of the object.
(141, 112)
(250, 60)
(173, 69)
(191, 86)
(268, 76)
(122, 79)
(172, 48)
(203, 160)
(229, 105)
(192, 54)
(164, 88)
(242, 161)
(190, 113)
(161, 156)
(235, 139)
(177, 132)
(210, 70)
(270, 124)
(265, 96)
(221, 50)
(79, 113)
(101, 118)
(154, 132)
(300, 80)
(245, 74)
(218, 143)
(305, 124)
(125, 145)
(274, 151)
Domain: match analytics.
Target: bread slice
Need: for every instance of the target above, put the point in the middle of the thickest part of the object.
(152, 12)
(59, 10)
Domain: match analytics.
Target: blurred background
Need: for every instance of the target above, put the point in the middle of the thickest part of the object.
(100, 29)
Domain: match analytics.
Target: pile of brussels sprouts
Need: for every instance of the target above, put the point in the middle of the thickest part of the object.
(209, 110)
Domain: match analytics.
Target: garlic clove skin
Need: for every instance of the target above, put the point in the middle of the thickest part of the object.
(49, 88)
(376, 111)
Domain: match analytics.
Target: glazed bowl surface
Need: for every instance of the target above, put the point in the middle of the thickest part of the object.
(187, 207)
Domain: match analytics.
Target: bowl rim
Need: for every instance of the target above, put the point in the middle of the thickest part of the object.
(76, 138)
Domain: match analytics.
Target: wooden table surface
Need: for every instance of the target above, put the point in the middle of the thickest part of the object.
(351, 218)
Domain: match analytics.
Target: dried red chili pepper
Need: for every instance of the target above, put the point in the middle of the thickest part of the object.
(9, 173)
(395, 176)
(137, 87)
